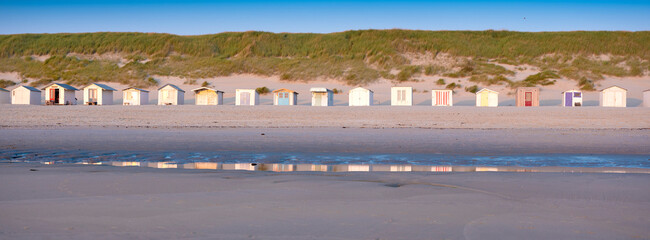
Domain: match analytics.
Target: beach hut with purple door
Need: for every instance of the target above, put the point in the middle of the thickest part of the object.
(572, 98)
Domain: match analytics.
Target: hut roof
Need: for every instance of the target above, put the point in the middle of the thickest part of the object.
(3, 90)
(33, 89)
(441, 90)
(485, 89)
(360, 88)
(205, 88)
(102, 86)
(66, 86)
(319, 90)
(172, 85)
(572, 90)
(284, 90)
(615, 87)
(139, 89)
(529, 88)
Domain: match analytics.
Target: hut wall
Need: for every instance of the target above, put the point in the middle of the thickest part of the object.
(401, 96)
(5, 97)
(613, 97)
(646, 99)
(521, 97)
(360, 97)
(442, 98)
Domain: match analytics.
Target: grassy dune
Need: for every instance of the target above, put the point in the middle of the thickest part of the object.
(354, 57)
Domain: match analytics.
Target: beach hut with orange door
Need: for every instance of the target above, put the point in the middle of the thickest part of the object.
(171, 94)
(487, 98)
(401, 96)
(26, 95)
(60, 94)
(322, 97)
(5, 97)
(208, 96)
(284, 97)
(98, 94)
(246, 97)
(613, 96)
(135, 96)
(442, 97)
(527, 97)
(572, 98)
(646, 98)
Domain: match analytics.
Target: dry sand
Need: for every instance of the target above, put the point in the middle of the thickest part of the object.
(100, 202)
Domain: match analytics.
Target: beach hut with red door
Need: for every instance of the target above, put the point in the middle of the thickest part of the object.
(60, 94)
(441, 98)
(527, 97)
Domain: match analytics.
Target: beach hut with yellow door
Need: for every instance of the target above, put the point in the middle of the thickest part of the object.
(613, 96)
(60, 94)
(135, 96)
(26, 95)
(5, 97)
(284, 97)
(401, 96)
(246, 97)
(98, 94)
(208, 96)
(170, 94)
(487, 98)
(527, 97)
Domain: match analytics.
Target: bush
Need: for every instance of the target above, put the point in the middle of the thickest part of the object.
(408, 72)
(472, 89)
(262, 90)
(6, 83)
(205, 84)
(586, 84)
(152, 82)
(452, 86)
(337, 91)
(441, 82)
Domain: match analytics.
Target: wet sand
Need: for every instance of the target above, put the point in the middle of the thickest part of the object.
(102, 202)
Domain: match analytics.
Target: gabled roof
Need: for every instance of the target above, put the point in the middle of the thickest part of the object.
(102, 86)
(572, 90)
(33, 89)
(488, 90)
(615, 87)
(205, 88)
(319, 90)
(171, 85)
(360, 88)
(4, 90)
(139, 89)
(284, 90)
(65, 86)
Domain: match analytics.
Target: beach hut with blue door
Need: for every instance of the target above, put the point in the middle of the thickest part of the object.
(572, 98)
(322, 97)
(285, 97)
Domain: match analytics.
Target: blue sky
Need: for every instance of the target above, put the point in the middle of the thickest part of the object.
(195, 17)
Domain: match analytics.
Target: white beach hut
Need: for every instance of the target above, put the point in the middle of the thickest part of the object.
(572, 98)
(487, 98)
(135, 96)
(401, 96)
(5, 97)
(646, 98)
(26, 95)
(285, 96)
(246, 97)
(60, 94)
(442, 97)
(322, 97)
(613, 96)
(170, 94)
(208, 96)
(98, 94)
(360, 97)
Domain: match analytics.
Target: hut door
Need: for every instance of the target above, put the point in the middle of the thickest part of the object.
(54, 95)
(212, 98)
(245, 98)
(484, 99)
(92, 96)
(568, 99)
(318, 98)
(528, 99)
(283, 98)
(618, 99)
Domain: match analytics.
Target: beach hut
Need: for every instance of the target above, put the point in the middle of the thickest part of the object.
(135, 96)
(360, 97)
(170, 94)
(527, 97)
(401, 96)
(208, 96)
(613, 96)
(26, 95)
(246, 97)
(5, 97)
(60, 94)
(646, 98)
(322, 97)
(98, 94)
(487, 98)
(442, 98)
(572, 98)
(285, 96)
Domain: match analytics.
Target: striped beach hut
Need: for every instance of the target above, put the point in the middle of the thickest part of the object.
(98, 94)
(60, 94)
(208, 96)
(5, 97)
(613, 96)
(170, 94)
(487, 98)
(572, 98)
(283, 97)
(246, 97)
(135, 96)
(360, 97)
(322, 97)
(401, 96)
(26, 95)
(527, 97)
(442, 97)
